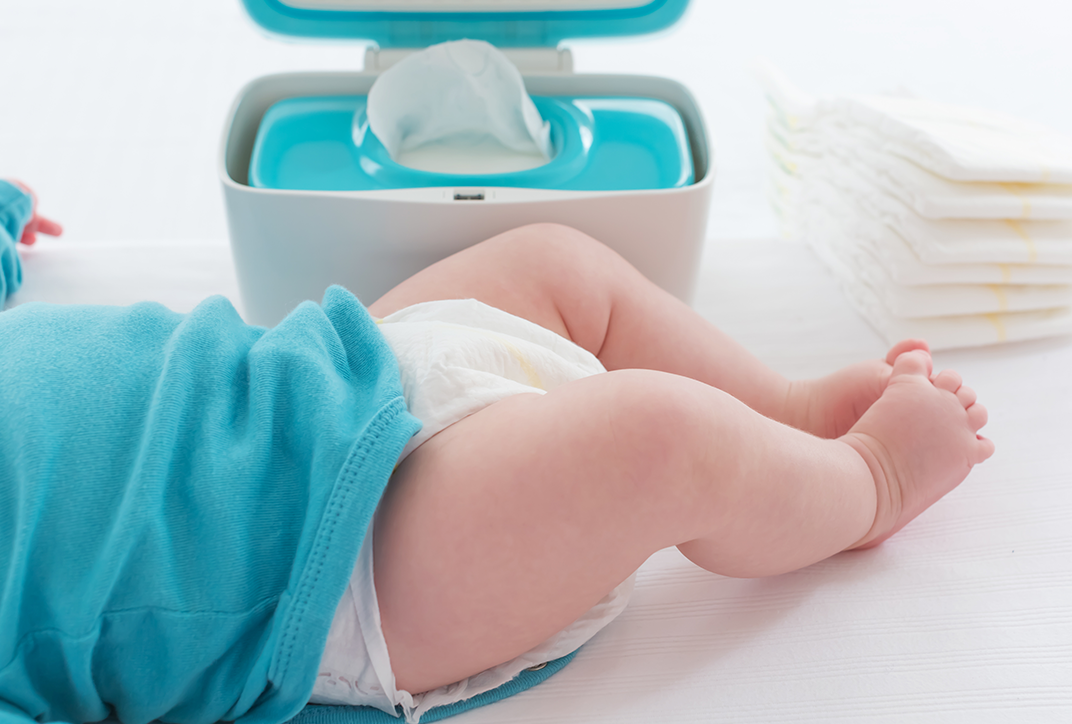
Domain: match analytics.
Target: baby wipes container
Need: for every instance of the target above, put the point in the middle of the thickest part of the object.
(314, 198)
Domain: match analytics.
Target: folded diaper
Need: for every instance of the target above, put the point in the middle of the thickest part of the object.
(937, 300)
(948, 331)
(934, 197)
(936, 218)
(457, 107)
(942, 241)
(964, 144)
(862, 242)
(953, 142)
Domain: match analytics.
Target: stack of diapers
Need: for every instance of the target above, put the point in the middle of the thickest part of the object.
(942, 222)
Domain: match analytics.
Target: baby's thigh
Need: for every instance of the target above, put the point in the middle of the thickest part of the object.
(552, 275)
(507, 526)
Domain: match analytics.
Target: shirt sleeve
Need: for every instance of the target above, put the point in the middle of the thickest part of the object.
(10, 714)
(16, 209)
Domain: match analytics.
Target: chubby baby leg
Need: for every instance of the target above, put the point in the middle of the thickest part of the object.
(570, 283)
(505, 527)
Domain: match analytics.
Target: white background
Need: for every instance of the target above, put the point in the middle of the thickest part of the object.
(113, 109)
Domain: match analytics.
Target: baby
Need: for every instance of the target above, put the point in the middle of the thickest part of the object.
(186, 502)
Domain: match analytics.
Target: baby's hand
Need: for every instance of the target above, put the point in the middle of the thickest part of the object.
(37, 224)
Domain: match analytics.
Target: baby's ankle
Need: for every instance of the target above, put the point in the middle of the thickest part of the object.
(800, 399)
(830, 406)
(871, 453)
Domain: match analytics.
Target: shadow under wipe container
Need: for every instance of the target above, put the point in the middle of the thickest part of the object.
(313, 198)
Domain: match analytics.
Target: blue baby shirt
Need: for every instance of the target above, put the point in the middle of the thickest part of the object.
(182, 499)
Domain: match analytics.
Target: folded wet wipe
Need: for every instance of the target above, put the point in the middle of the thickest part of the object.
(458, 107)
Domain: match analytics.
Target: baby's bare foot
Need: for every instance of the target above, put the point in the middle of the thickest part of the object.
(829, 406)
(920, 441)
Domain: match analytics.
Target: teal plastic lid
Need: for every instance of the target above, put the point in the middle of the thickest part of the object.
(503, 23)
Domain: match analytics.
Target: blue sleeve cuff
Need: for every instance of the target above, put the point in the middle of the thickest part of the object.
(10, 714)
(16, 210)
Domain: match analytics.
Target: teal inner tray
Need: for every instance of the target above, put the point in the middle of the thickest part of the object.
(600, 144)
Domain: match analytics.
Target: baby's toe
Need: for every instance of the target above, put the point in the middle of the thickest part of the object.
(984, 448)
(905, 345)
(915, 362)
(948, 380)
(967, 396)
(977, 417)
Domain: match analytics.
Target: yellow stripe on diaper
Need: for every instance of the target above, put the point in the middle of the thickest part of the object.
(1013, 189)
(526, 365)
(999, 325)
(1032, 252)
(1006, 273)
(1003, 301)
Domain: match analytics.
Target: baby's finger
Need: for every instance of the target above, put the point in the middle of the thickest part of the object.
(947, 380)
(47, 226)
(977, 416)
(905, 345)
(967, 396)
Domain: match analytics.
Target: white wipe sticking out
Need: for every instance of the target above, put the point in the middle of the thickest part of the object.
(458, 107)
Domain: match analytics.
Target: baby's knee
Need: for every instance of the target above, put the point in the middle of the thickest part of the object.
(547, 234)
(565, 248)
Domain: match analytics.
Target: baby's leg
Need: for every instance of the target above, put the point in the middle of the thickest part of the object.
(571, 284)
(507, 526)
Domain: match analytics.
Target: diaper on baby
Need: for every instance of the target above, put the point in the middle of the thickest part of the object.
(459, 356)
(456, 357)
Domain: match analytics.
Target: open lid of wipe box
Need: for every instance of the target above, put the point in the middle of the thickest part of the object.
(504, 23)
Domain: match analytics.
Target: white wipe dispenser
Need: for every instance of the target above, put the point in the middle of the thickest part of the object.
(313, 198)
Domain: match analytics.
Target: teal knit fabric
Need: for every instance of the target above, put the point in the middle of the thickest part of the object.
(16, 208)
(182, 500)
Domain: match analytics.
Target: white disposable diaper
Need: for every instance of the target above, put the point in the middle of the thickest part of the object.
(959, 143)
(934, 197)
(456, 358)
(873, 297)
(942, 222)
